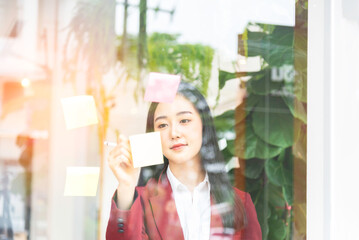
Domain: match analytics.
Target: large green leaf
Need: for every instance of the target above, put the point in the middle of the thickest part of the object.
(249, 145)
(262, 84)
(254, 185)
(254, 168)
(276, 47)
(277, 229)
(251, 101)
(263, 210)
(277, 172)
(273, 122)
(246, 107)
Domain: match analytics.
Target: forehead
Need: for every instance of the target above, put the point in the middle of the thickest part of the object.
(178, 105)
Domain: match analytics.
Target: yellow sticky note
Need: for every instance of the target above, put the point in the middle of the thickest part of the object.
(79, 111)
(81, 181)
(146, 149)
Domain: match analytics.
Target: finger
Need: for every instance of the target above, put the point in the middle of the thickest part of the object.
(125, 153)
(125, 145)
(124, 161)
(119, 162)
(114, 153)
(122, 138)
(118, 150)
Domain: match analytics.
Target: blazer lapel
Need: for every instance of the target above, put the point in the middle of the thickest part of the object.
(164, 211)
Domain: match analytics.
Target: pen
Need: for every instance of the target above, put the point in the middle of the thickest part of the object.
(110, 144)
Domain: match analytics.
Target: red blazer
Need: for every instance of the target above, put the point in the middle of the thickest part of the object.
(153, 215)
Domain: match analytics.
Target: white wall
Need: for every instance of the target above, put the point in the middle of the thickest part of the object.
(345, 128)
(333, 116)
(315, 130)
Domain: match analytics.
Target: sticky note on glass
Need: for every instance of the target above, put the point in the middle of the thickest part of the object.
(162, 87)
(146, 149)
(233, 163)
(222, 144)
(81, 181)
(79, 111)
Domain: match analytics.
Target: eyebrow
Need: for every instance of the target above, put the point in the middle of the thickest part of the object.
(179, 113)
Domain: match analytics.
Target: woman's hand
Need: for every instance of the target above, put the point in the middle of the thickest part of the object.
(120, 162)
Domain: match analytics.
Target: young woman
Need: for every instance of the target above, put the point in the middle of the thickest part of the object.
(192, 197)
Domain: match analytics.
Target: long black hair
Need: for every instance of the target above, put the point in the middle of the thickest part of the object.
(229, 204)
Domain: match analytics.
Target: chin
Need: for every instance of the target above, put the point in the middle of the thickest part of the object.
(180, 159)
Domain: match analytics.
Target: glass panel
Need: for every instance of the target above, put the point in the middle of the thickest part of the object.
(247, 59)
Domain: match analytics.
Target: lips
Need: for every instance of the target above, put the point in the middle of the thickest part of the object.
(178, 146)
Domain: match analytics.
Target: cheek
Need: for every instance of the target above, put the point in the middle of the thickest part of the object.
(163, 141)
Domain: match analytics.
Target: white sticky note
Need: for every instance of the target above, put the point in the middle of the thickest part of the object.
(79, 111)
(222, 144)
(81, 181)
(146, 149)
(233, 163)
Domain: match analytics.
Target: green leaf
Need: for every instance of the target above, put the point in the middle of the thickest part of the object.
(255, 43)
(251, 101)
(230, 147)
(288, 193)
(263, 211)
(276, 48)
(249, 145)
(262, 84)
(246, 107)
(297, 108)
(276, 198)
(224, 124)
(273, 122)
(277, 229)
(224, 77)
(254, 185)
(254, 168)
(277, 173)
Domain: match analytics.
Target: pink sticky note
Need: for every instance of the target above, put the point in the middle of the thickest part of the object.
(162, 87)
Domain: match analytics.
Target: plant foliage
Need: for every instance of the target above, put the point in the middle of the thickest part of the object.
(167, 55)
(269, 126)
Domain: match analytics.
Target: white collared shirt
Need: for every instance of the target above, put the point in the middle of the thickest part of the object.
(194, 210)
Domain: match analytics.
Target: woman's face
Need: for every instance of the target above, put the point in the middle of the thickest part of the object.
(180, 126)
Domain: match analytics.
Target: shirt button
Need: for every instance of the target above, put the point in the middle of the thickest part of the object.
(120, 220)
(120, 230)
(120, 225)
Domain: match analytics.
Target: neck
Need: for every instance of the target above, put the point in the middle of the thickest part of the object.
(189, 173)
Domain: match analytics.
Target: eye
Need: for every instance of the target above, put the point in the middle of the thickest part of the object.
(185, 121)
(162, 125)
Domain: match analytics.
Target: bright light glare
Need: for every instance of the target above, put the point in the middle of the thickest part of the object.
(25, 82)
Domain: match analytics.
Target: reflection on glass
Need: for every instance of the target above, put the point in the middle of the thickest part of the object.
(248, 59)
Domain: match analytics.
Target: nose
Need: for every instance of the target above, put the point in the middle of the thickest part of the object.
(175, 132)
